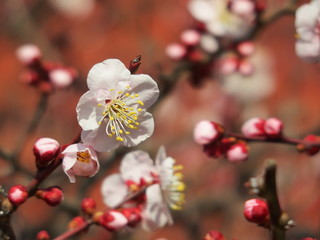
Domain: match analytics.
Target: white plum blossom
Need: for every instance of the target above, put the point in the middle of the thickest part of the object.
(307, 23)
(219, 19)
(160, 179)
(113, 111)
(79, 160)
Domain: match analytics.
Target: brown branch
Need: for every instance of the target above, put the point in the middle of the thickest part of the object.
(75, 231)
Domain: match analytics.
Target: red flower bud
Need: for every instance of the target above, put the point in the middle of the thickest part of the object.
(18, 194)
(311, 150)
(133, 216)
(273, 127)
(253, 127)
(206, 132)
(213, 235)
(45, 149)
(238, 152)
(112, 220)
(76, 222)
(43, 235)
(88, 206)
(256, 211)
(52, 195)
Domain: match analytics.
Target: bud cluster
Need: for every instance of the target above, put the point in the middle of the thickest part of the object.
(258, 127)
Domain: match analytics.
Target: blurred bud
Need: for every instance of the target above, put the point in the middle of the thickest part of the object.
(133, 216)
(245, 68)
(219, 148)
(243, 8)
(88, 206)
(238, 152)
(113, 220)
(30, 77)
(18, 194)
(253, 127)
(206, 132)
(76, 222)
(310, 150)
(273, 127)
(228, 65)
(51, 195)
(43, 235)
(213, 235)
(61, 78)
(190, 37)
(246, 48)
(135, 64)
(176, 51)
(256, 211)
(45, 149)
(209, 43)
(28, 54)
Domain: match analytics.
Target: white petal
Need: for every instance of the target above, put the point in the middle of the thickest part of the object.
(107, 74)
(88, 111)
(74, 148)
(161, 155)
(113, 190)
(202, 10)
(145, 130)
(146, 87)
(155, 213)
(71, 176)
(136, 165)
(308, 50)
(68, 161)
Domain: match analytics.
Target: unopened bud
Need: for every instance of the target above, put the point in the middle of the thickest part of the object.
(256, 211)
(133, 216)
(228, 65)
(28, 54)
(113, 220)
(213, 235)
(43, 235)
(311, 150)
(243, 8)
(273, 127)
(88, 206)
(253, 127)
(51, 195)
(176, 51)
(60, 78)
(190, 37)
(135, 64)
(245, 68)
(206, 132)
(238, 152)
(45, 149)
(209, 43)
(18, 194)
(76, 222)
(246, 48)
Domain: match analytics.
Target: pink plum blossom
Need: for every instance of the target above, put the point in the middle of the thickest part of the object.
(79, 160)
(307, 23)
(206, 132)
(253, 127)
(45, 149)
(113, 111)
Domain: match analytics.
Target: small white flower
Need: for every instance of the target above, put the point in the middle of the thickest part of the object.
(79, 160)
(113, 111)
(163, 186)
(307, 25)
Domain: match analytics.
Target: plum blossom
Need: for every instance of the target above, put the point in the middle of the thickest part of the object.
(307, 23)
(79, 160)
(160, 180)
(113, 111)
(224, 18)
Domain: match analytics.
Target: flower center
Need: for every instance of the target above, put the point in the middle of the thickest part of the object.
(119, 116)
(176, 187)
(83, 157)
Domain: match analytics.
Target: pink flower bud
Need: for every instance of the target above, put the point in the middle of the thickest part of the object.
(45, 149)
(176, 51)
(18, 194)
(238, 152)
(76, 222)
(209, 43)
(190, 37)
(310, 150)
(43, 235)
(228, 65)
(88, 206)
(246, 48)
(245, 68)
(253, 127)
(273, 127)
(256, 210)
(60, 78)
(243, 8)
(113, 220)
(51, 195)
(213, 235)
(133, 216)
(28, 53)
(206, 132)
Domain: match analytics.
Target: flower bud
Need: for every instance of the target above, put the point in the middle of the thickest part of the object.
(113, 220)
(76, 222)
(206, 132)
(28, 54)
(18, 194)
(256, 211)
(246, 48)
(190, 37)
(176, 51)
(213, 235)
(209, 43)
(45, 149)
(238, 152)
(88, 206)
(245, 68)
(273, 127)
(43, 235)
(310, 150)
(253, 127)
(51, 195)
(228, 65)
(243, 8)
(60, 78)
(133, 216)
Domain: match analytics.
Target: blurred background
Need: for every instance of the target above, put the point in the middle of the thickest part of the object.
(81, 33)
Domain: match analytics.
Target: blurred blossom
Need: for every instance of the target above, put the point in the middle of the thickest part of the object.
(209, 43)
(28, 53)
(206, 132)
(307, 27)
(74, 8)
(238, 152)
(113, 111)
(61, 78)
(190, 37)
(253, 127)
(79, 160)
(222, 18)
(176, 51)
(162, 182)
(251, 87)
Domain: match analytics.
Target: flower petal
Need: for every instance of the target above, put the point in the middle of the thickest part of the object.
(202, 10)
(71, 176)
(74, 148)
(113, 190)
(68, 161)
(107, 74)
